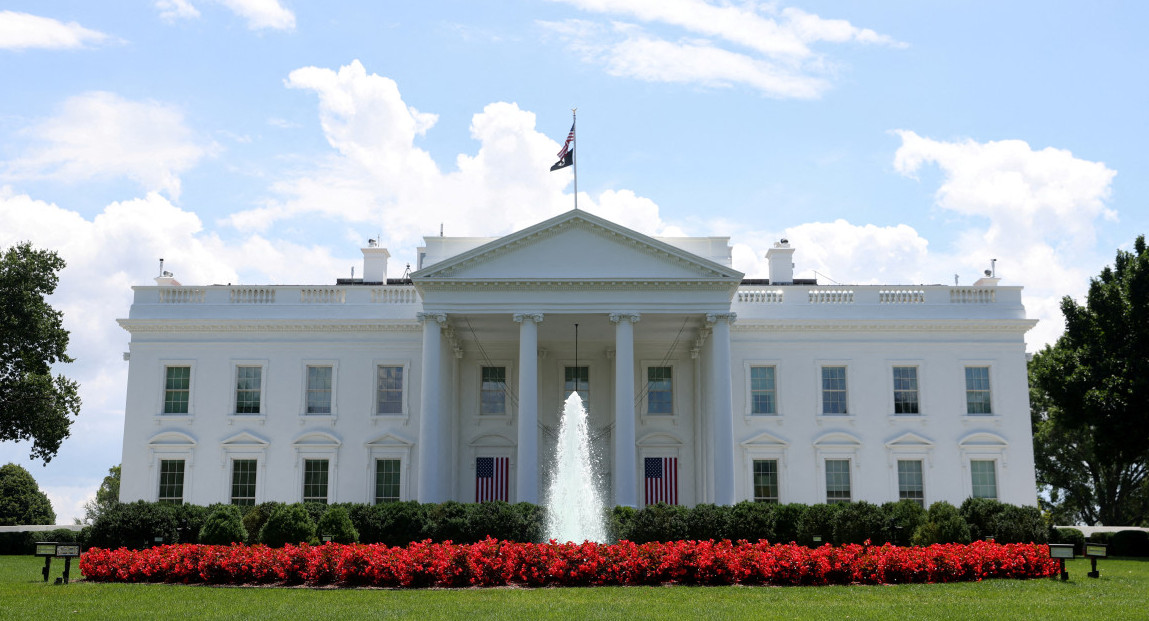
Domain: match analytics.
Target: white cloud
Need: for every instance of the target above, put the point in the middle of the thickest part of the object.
(102, 135)
(20, 31)
(1033, 210)
(755, 45)
(258, 13)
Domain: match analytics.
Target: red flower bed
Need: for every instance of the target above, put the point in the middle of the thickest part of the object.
(496, 563)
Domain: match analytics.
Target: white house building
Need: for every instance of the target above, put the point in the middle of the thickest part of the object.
(701, 386)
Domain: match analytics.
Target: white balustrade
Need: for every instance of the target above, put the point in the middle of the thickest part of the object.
(901, 296)
(252, 295)
(831, 296)
(394, 295)
(322, 295)
(181, 295)
(973, 295)
(760, 297)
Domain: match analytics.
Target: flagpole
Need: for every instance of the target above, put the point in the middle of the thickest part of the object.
(574, 160)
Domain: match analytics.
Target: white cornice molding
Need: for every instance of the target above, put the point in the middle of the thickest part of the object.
(571, 284)
(888, 325)
(142, 326)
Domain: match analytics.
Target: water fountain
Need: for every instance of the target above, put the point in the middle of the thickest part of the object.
(574, 505)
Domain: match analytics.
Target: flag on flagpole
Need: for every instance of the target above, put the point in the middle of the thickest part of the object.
(661, 476)
(566, 154)
(491, 478)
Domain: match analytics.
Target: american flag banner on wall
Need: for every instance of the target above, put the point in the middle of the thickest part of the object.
(661, 476)
(491, 478)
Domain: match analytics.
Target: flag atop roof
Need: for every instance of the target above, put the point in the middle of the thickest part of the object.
(566, 154)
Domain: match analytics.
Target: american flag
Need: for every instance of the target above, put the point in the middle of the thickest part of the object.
(491, 477)
(661, 475)
(567, 144)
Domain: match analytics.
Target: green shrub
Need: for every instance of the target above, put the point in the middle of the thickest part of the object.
(1069, 535)
(817, 520)
(390, 523)
(134, 525)
(1014, 524)
(902, 520)
(224, 526)
(288, 524)
(707, 521)
(981, 515)
(752, 521)
(190, 520)
(620, 523)
(337, 523)
(496, 519)
(256, 517)
(858, 522)
(446, 521)
(1129, 543)
(943, 524)
(659, 522)
(533, 520)
(787, 519)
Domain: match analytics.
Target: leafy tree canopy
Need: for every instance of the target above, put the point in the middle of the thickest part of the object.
(34, 404)
(106, 497)
(21, 501)
(1090, 400)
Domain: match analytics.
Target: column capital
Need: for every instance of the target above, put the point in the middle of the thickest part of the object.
(521, 317)
(439, 318)
(713, 318)
(628, 316)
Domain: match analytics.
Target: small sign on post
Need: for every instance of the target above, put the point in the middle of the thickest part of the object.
(66, 551)
(46, 549)
(1061, 551)
(1094, 551)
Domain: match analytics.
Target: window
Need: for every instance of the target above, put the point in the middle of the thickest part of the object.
(177, 390)
(834, 390)
(248, 387)
(659, 390)
(319, 389)
(763, 391)
(315, 480)
(983, 473)
(906, 390)
(910, 486)
(243, 482)
(977, 391)
(171, 481)
(577, 379)
(493, 392)
(837, 481)
(386, 480)
(389, 390)
(766, 480)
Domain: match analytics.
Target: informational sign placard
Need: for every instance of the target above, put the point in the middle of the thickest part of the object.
(46, 548)
(1061, 550)
(1096, 550)
(67, 549)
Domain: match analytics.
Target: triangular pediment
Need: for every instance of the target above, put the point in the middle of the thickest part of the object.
(909, 440)
(837, 439)
(389, 439)
(659, 438)
(245, 438)
(765, 440)
(576, 246)
(172, 438)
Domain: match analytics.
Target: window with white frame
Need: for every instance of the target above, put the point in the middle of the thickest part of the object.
(243, 473)
(906, 390)
(763, 390)
(387, 480)
(248, 389)
(171, 488)
(837, 481)
(659, 390)
(983, 476)
(766, 480)
(319, 386)
(493, 391)
(977, 391)
(315, 477)
(910, 483)
(577, 379)
(177, 389)
(389, 389)
(834, 390)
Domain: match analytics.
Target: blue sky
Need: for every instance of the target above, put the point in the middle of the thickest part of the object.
(263, 141)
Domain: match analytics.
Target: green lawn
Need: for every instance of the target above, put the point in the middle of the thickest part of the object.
(1122, 592)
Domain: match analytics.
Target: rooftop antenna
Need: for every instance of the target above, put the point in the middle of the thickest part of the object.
(407, 272)
(955, 280)
(993, 267)
(161, 266)
(440, 229)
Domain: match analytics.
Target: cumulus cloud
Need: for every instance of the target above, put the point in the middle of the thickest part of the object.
(21, 31)
(760, 46)
(1033, 210)
(259, 14)
(100, 135)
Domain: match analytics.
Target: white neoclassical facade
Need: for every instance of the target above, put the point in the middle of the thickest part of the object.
(701, 386)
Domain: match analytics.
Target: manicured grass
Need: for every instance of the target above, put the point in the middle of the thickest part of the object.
(1122, 592)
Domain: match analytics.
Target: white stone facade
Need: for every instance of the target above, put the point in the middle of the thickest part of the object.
(676, 348)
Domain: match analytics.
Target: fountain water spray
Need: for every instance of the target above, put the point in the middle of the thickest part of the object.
(574, 505)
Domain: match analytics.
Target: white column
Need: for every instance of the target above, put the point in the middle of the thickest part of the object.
(723, 414)
(527, 464)
(430, 417)
(625, 474)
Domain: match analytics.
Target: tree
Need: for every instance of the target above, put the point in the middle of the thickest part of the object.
(106, 497)
(21, 501)
(1090, 400)
(34, 404)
